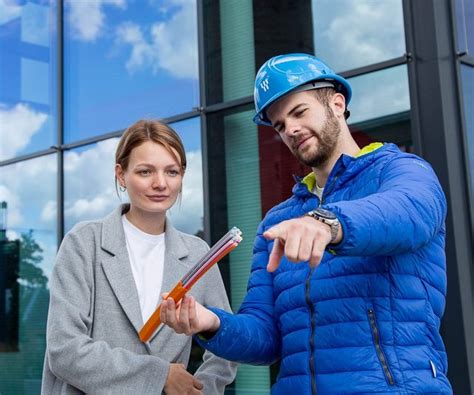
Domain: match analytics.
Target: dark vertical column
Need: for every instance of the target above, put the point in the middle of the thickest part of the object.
(212, 128)
(438, 136)
(60, 124)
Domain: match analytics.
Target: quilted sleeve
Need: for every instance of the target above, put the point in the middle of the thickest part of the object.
(407, 211)
(250, 336)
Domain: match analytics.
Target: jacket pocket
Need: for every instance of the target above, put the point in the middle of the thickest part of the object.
(378, 347)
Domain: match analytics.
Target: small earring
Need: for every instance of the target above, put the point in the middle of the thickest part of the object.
(122, 188)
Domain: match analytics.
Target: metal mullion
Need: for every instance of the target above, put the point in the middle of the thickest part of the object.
(22, 158)
(60, 123)
(387, 64)
(412, 76)
(467, 60)
(203, 122)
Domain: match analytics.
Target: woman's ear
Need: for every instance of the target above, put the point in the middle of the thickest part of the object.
(119, 174)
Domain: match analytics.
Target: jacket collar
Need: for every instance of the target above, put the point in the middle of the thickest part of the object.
(119, 272)
(113, 235)
(345, 168)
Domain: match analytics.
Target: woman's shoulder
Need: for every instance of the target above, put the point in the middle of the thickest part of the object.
(193, 241)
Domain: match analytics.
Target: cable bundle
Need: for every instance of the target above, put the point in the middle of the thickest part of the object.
(225, 245)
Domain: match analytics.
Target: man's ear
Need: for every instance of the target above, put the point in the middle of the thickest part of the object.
(338, 104)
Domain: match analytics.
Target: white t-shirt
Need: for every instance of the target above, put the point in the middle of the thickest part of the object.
(147, 257)
(318, 191)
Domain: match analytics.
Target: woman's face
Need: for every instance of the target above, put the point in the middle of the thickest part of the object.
(153, 178)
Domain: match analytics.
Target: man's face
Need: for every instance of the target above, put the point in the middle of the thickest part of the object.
(309, 129)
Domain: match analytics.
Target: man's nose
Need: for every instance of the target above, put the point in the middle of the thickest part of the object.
(292, 128)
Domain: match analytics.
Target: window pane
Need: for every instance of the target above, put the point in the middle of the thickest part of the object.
(465, 25)
(127, 60)
(90, 190)
(350, 34)
(379, 94)
(27, 77)
(229, 49)
(28, 247)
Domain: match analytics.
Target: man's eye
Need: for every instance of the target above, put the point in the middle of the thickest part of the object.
(300, 113)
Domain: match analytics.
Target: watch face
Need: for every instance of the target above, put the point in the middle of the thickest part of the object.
(325, 213)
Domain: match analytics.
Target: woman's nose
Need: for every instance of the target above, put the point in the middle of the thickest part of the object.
(159, 181)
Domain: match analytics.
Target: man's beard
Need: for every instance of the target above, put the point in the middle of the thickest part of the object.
(327, 141)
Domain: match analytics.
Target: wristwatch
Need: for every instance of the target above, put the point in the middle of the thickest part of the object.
(326, 217)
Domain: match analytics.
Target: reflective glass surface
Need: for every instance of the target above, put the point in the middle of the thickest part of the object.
(465, 25)
(125, 60)
(350, 34)
(27, 76)
(90, 190)
(28, 248)
(379, 94)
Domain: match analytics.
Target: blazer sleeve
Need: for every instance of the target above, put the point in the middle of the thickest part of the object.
(73, 356)
(406, 213)
(250, 336)
(215, 373)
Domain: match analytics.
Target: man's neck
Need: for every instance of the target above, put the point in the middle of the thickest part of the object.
(347, 146)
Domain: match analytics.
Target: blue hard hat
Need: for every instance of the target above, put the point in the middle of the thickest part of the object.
(284, 73)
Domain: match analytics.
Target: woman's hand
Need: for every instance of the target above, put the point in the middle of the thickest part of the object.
(179, 382)
(189, 317)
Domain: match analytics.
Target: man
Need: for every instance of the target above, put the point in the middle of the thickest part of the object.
(360, 312)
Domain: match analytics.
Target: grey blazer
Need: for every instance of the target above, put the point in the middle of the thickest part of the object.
(94, 316)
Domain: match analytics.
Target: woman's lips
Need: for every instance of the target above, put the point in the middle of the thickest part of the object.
(157, 198)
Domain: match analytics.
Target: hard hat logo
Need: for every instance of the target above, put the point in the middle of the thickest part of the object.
(288, 73)
(264, 85)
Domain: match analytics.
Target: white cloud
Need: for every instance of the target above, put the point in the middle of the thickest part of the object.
(87, 17)
(369, 103)
(188, 216)
(171, 46)
(89, 177)
(353, 27)
(9, 10)
(17, 125)
(49, 211)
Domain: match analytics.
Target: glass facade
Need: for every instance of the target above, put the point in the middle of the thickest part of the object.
(127, 60)
(353, 27)
(27, 77)
(124, 60)
(28, 240)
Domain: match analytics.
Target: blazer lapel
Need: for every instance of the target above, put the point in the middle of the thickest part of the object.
(117, 268)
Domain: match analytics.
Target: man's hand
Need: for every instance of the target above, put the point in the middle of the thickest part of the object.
(189, 317)
(179, 382)
(299, 239)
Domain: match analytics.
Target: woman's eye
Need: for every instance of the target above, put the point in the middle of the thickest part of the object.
(173, 173)
(144, 172)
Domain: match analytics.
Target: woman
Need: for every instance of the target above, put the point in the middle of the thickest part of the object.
(107, 281)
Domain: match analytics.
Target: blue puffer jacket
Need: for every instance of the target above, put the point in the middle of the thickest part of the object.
(366, 320)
